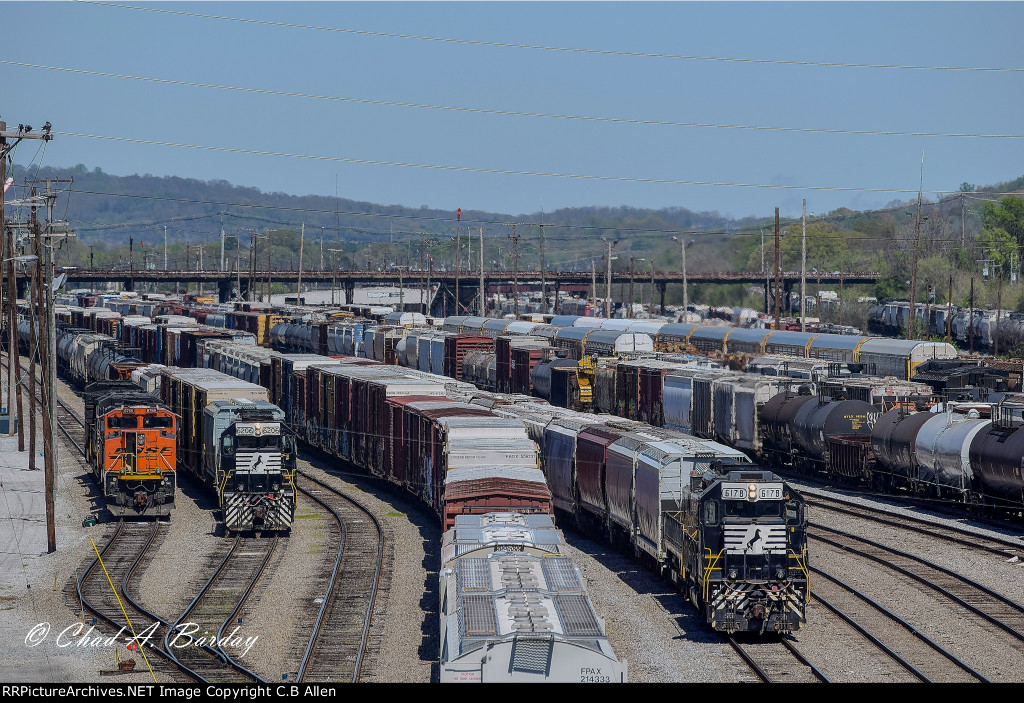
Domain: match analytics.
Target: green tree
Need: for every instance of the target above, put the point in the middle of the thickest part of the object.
(998, 245)
(1007, 215)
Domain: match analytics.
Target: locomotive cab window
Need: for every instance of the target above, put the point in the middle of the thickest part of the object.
(228, 445)
(269, 441)
(124, 422)
(710, 512)
(157, 422)
(742, 508)
(793, 513)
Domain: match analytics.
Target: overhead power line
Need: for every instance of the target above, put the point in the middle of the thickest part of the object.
(413, 236)
(507, 113)
(564, 49)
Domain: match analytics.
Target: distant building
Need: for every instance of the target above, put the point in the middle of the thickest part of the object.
(385, 296)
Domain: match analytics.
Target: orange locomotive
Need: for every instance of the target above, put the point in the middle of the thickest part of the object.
(131, 444)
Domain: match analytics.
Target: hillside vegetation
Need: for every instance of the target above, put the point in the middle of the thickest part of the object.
(961, 236)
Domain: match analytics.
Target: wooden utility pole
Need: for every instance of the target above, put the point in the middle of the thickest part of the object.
(949, 308)
(593, 285)
(423, 272)
(629, 310)
(48, 358)
(913, 267)
(23, 132)
(803, 274)
(302, 241)
(458, 264)
(543, 274)
(270, 281)
(971, 320)
(33, 350)
(778, 274)
(608, 281)
(515, 269)
(999, 314)
(482, 312)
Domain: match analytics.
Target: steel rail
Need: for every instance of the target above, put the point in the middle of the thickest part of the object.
(893, 616)
(368, 613)
(1009, 629)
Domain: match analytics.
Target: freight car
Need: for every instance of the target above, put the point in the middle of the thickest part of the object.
(131, 441)
(466, 452)
(514, 607)
(893, 357)
(728, 534)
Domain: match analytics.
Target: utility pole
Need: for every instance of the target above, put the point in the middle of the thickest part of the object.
(543, 282)
(999, 314)
(270, 281)
(165, 248)
(913, 267)
(223, 237)
(302, 240)
(334, 277)
(949, 308)
(682, 258)
(458, 264)
(49, 358)
(803, 273)
(252, 265)
(201, 247)
(482, 312)
(423, 272)
(24, 132)
(629, 310)
(963, 228)
(971, 323)
(593, 285)
(778, 275)
(650, 312)
(608, 281)
(515, 269)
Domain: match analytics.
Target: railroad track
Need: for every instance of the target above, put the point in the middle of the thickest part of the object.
(338, 642)
(121, 556)
(1003, 547)
(776, 661)
(999, 617)
(211, 614)
(895, 640)
(71, 425)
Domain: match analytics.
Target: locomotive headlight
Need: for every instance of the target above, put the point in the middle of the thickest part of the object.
(752, 490)
(780, 574)
(733, 574)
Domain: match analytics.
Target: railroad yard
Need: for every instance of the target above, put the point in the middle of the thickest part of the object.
(878, 613)
(603, 361)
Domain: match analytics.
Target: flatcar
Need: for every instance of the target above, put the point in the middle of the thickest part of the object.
(131, 444)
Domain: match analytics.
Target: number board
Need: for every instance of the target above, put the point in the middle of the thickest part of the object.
(738, 491)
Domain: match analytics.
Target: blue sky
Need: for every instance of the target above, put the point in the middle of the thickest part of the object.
(627, 163)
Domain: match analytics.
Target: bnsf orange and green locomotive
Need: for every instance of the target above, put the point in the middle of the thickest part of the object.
(131, 444)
